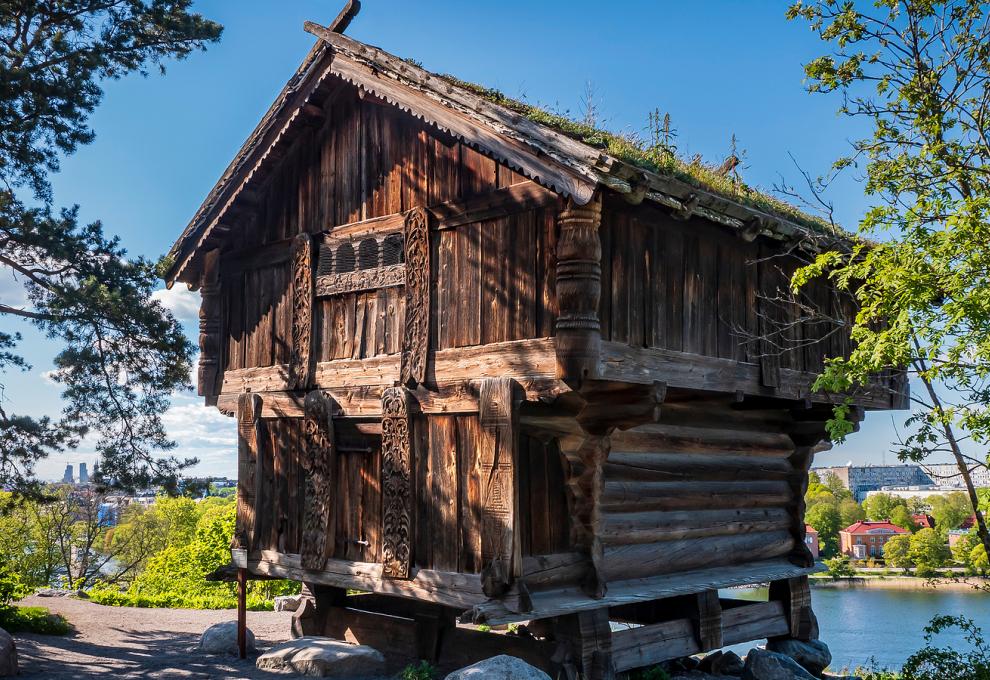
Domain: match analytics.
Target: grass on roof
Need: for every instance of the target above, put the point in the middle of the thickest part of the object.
(653, 156)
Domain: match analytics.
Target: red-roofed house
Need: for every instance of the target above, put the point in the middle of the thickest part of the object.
(867, 539)
(811, 540)
(923, 521)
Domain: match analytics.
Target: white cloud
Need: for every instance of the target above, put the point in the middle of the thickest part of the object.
(182, 302)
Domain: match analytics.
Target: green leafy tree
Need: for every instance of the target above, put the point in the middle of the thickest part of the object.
(950, 510)
(978, 559)
(919, 72)
(967, 661)
(918, 505)
(833, 483)
(897, 551)
(826, 520)
(123, 353)
(901, 516)
(839, 567)
(851, 512)
(928, 550)
(879, 507)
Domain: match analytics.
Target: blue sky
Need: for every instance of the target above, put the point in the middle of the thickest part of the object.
(719, 68)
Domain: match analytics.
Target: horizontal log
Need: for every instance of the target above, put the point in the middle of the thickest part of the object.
(650, 559)
(509, 200)
(648, 645)
(450, 589)
(651, 527)
(641, 496)
(542, 571)
(680, 467)
(679, 439)
(622, 362)
(562, 601)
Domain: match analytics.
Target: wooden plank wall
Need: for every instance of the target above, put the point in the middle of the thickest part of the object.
(367, 159)
(694, 287)
(711, 493)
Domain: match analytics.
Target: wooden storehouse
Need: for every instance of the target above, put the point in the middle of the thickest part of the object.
(484, 372)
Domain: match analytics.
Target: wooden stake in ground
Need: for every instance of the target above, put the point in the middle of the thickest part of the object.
(242, 612)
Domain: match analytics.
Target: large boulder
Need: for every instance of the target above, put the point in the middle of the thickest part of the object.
(221, 638)
(8, 655)
(813, 656)
(322, 657)
(764, 665)
(501, 667)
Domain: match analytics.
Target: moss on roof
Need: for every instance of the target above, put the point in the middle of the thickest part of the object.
(654, 158)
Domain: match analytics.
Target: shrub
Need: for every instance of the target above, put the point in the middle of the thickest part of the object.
(653, 673)
(948, 663)
(32, 620)
(421, 671)
(839, 567)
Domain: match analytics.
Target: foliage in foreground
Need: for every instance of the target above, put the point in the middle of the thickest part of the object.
(943, 663)
(14, 619)
(421, 671)
(175, 577)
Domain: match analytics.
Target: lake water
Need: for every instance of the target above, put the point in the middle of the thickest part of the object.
(886, 626)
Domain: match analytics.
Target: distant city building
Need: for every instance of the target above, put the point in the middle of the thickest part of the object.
(83, 474)
(905, 492)
(957, 535)
(861, 479)
(67, 475)
(863, 540)
(946, 475)
(811, 540)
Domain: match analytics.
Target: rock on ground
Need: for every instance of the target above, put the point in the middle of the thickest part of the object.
(501, 667)
(814, 656)
(8, 654)
(221, 638)
(696, 675)
(321, 657)
(287, 603)
(764, 665)
(721, 663)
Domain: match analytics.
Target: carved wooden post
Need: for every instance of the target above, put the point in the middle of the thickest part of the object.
(499, 500)
(579, 273)
(248, 439)
(209, 328)
(795, 593)
(300, 359)
(416, 334)
(320, 461)
(396, 483)
(585, 478)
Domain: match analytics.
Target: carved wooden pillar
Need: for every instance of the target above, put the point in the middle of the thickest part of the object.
(300, 358)
(209, 328)
(416, 334)
(579, 273)
(248, 439)
(396, 483)
(795, 593)
(498, 418)
(320, 462)
(584, 458)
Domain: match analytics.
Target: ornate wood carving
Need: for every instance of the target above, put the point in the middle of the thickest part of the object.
(209, 328)
(320, 462)
(579, 272)
(416, 334)
(363, 279)
(300, 360)
(396, 483)
(248, 438)
(584, 458)
(498, 418)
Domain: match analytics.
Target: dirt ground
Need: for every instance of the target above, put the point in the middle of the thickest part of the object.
(124, 642)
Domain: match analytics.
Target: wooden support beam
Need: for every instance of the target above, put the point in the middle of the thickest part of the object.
(320, 462)
(500, 545)
(209, 328)
(396, 483)
(579, 273)
(709, 620)
(795, 596)
(584, 645)
(584, 461)
(248, 478)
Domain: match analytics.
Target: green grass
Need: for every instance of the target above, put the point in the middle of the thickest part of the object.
(115, 598)
(635, 152)
(14, 619)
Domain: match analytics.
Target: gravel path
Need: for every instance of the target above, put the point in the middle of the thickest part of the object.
(125, 642)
